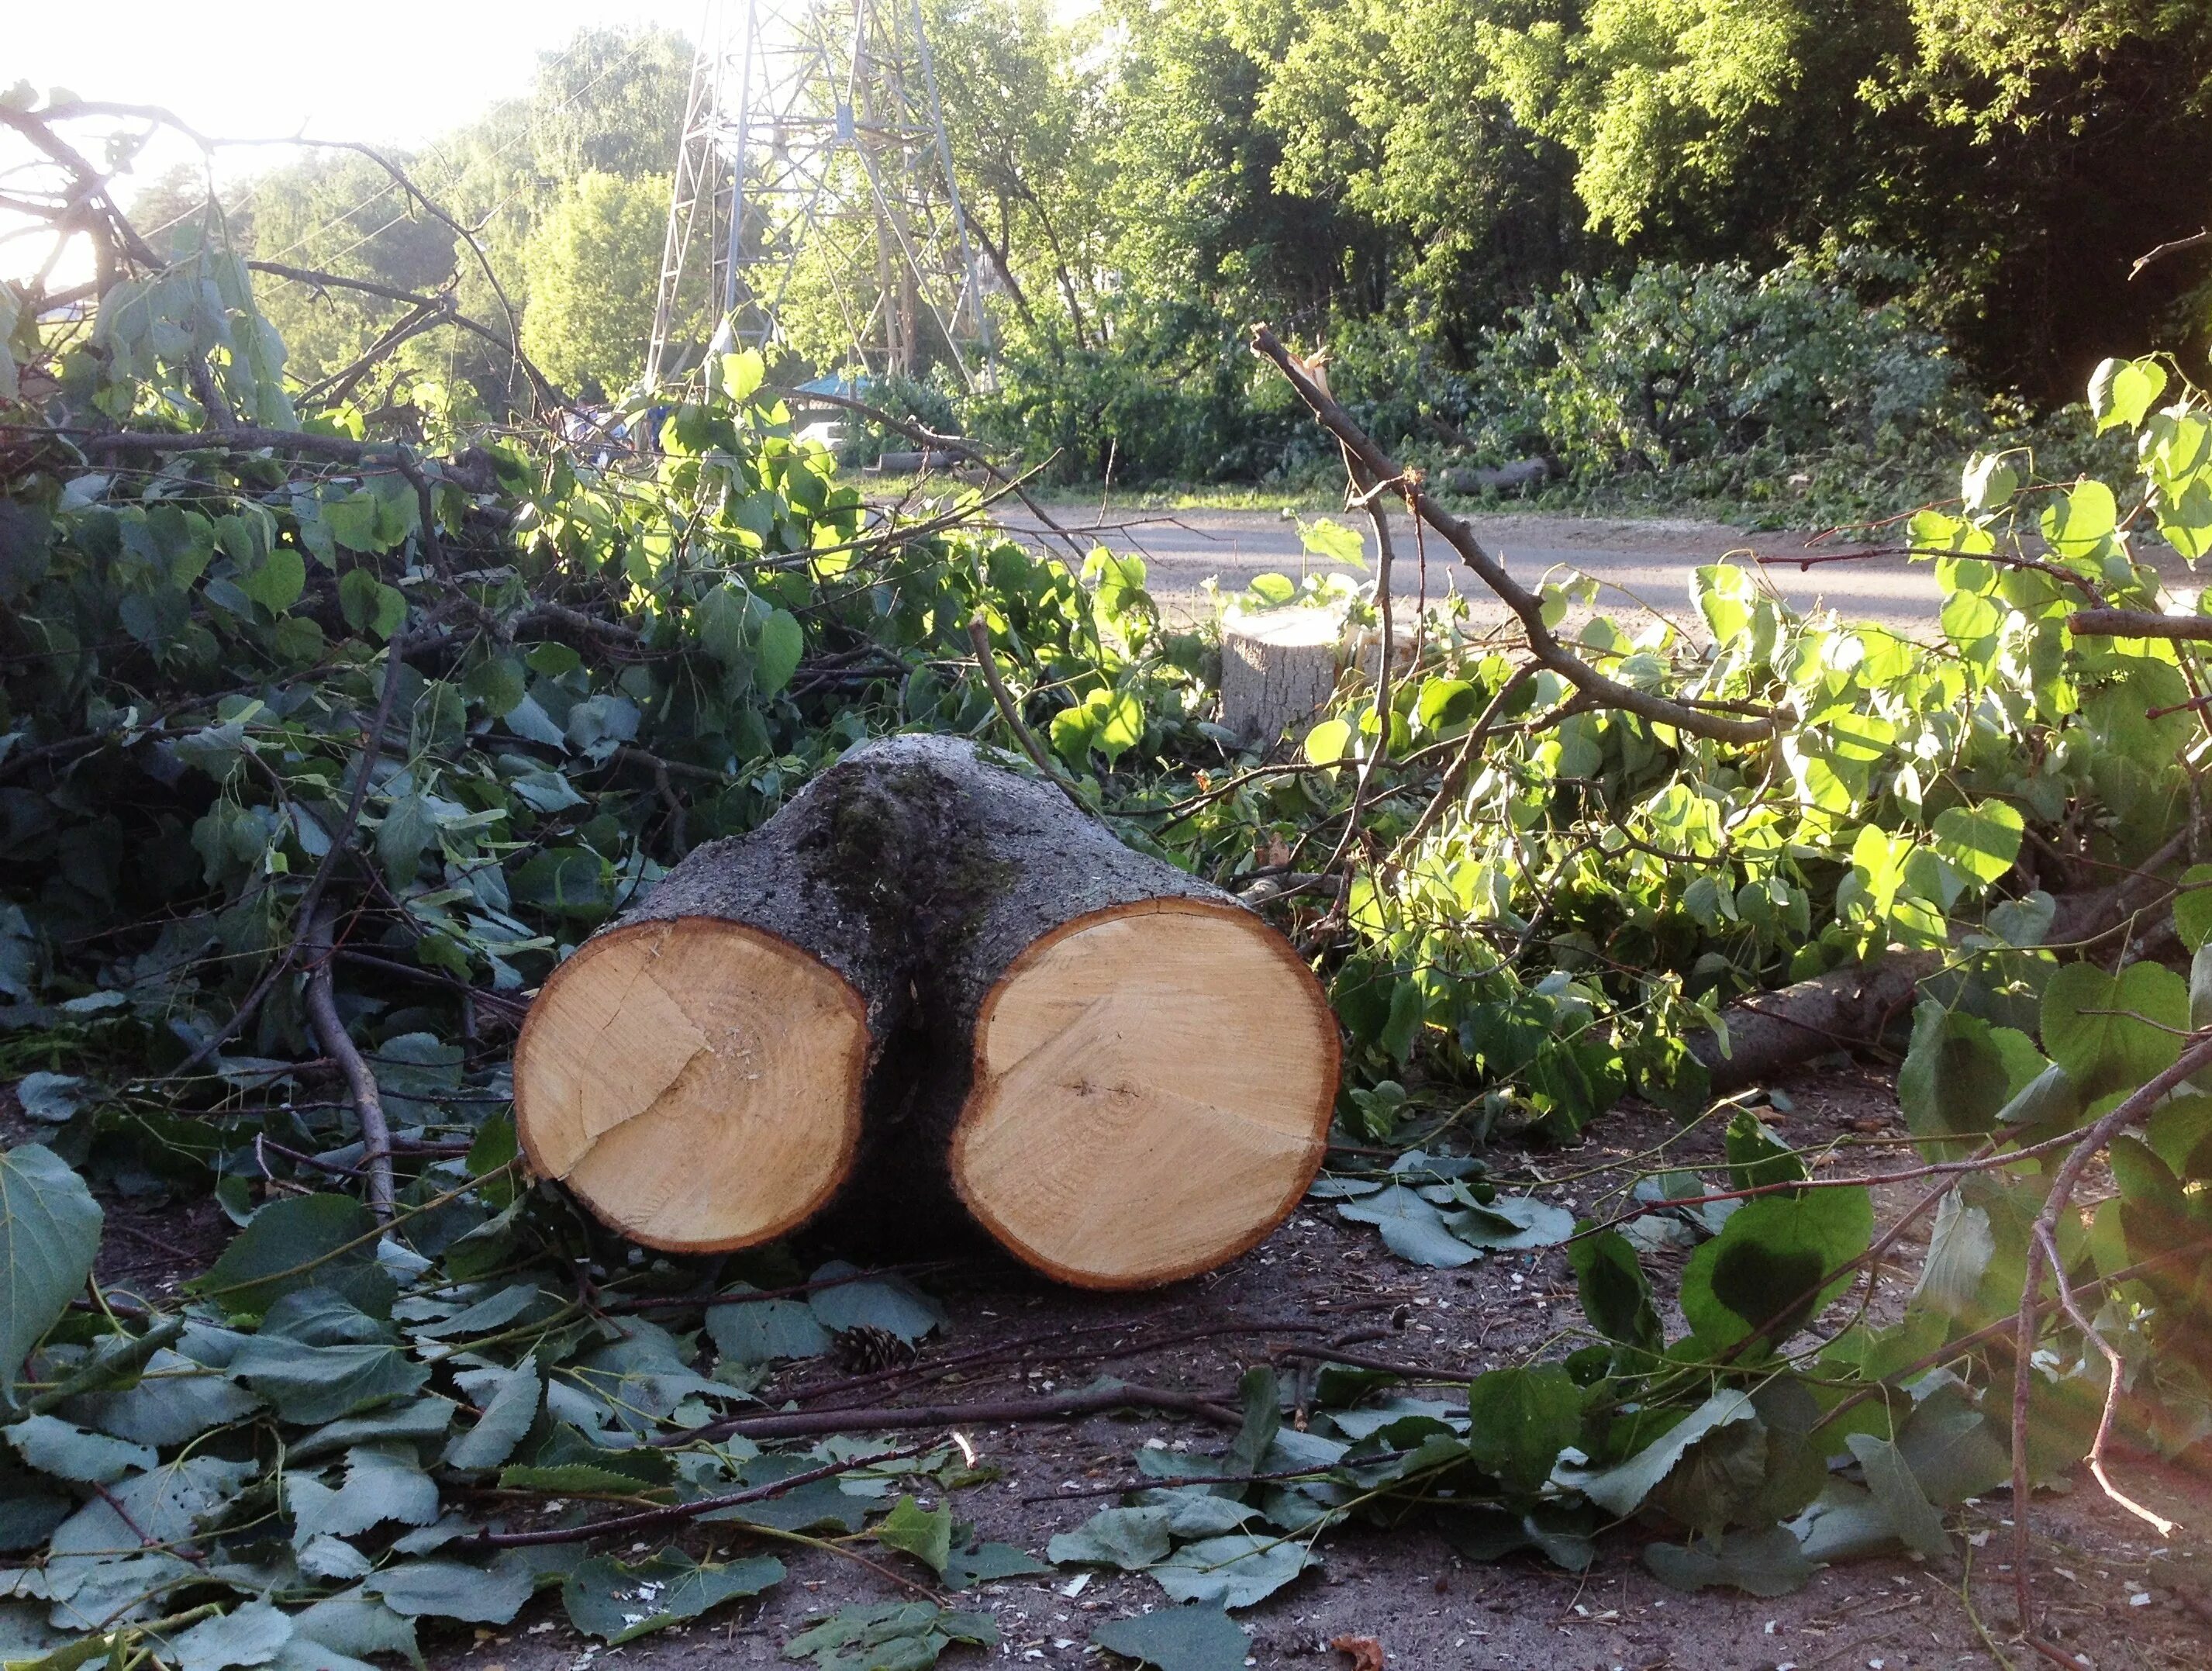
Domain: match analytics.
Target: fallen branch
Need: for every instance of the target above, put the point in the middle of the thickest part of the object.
(979, 634)
(341, 843)
(1846, 1009)
(677, 1513)
(953, 444)
(331, 1033)
(2132, 1109)
(2137, 623)
(1543, 644)
(1060, 1406)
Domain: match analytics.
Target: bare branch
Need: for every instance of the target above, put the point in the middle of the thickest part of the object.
(1543, 644)
(2137, 623)
(331, 1033)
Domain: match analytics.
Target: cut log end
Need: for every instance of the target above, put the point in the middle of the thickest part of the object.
(696, 1081)
(1153, 1089)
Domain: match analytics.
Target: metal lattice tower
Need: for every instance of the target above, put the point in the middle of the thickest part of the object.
(813, 164)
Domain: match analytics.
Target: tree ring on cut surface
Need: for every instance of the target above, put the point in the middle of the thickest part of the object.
(698, 1082)
(1154, 1086)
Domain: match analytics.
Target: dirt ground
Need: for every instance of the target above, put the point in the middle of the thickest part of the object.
(1406, 1589)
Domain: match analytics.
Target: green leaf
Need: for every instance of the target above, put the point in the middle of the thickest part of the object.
(300, 1242)
(619, 1603)
(508, 1414)
(276, 583)
(888, 1303)
(1131, 1538)
(1616, 1295)
(926, 1534)
(1756, 1160)
(1620, 1490)
(742, 373)
(53, 1098)
(447, 1589)
(1774, 1266)
(1953, 1080)
(321, 1383)
(1766, 1562)
(317, 1359)
(776, 657)
(1333, 542)
(1120, 724)
(1898, 1495)
(1327, 743)
(1518, 1422)
(49, 1233)
(1261, 1397)
(1238, 1570)
(352, 522)
(1982, 841)
(69, 1452)
(409, 826)
(178, 1401)
(498, 682)
(2121, 391)
(2079, 524)
(889, 1636)
(1412, 1228)
(2110, 1032)
(1959, 1249)
(2192, 906)
(567, 1461)
(1989, 482)
(764, 1331)
(249, 1635)
(987, 1562)
(380, 1484)
(355, 1623)
(369, 606)
(1196, 1637)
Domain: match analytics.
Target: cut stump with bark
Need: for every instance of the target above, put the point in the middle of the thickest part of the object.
(934, 986)
(1279, 671)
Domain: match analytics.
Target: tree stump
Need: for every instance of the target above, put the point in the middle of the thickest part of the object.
(1279, 669)
(937, 978)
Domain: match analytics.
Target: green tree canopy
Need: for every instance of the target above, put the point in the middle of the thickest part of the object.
(594, 261)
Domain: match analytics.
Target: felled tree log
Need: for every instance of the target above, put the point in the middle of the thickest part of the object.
(936, 977)
(1773, 1032)
(1516, 478)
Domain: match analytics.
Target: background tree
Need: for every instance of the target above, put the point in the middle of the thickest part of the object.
(594, 261)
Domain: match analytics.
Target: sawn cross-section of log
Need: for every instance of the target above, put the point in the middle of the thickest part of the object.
(932, 984)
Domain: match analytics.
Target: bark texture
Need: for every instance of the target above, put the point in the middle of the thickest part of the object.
(1277, 671)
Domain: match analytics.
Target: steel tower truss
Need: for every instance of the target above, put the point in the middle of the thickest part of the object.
(813, 163)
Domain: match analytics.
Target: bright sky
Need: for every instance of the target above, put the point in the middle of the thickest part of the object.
(398, 72)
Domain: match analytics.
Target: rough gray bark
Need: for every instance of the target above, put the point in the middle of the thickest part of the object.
(1277, 671)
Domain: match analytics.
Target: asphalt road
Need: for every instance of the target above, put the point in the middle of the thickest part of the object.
(1642, 563)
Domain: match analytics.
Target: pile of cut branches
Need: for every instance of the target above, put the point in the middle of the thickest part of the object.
(323, 738)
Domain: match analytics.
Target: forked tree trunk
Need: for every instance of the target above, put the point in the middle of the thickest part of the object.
(934, 972)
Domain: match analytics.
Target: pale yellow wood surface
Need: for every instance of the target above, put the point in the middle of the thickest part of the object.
(1153, 1094)
(697, 1082)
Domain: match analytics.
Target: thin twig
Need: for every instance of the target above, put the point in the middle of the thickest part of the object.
(979, 634)
(1058, 1407)
(2131, 1109)
(341, 844)
(331, 1033)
